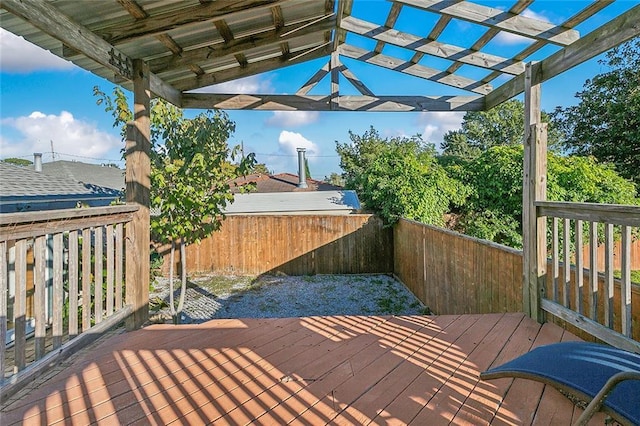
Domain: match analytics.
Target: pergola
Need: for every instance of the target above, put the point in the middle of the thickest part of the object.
(170, 48)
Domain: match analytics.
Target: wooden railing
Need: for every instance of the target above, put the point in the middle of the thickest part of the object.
(61, 281)
(589, 299)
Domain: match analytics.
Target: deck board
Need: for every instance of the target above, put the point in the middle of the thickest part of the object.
(317, 370)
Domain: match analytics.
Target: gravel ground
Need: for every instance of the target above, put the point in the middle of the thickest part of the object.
(211, 297)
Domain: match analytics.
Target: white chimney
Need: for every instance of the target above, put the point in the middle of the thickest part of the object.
(37, 161)
(302, 173)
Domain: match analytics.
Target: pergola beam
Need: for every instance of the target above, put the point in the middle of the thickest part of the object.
(505, 21)
(56, 24)
(416, 70)
(196, 82)
(433, 48)
(608, 36)
(162, 23)
(241, 44)
(322, 102)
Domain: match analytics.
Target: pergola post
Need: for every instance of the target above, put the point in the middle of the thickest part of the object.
(138, 184)
(534, 188)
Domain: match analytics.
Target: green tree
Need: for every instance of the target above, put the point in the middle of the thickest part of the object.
(190, 172)
(606, 121)
(261, 169)
(17, 161)
(494, 208)
(398, 177)
(501, 125)
(335, 179)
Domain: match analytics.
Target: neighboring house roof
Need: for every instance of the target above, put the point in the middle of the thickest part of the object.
(283, 182)
(315, 202)
(24, 189)
(95, 174)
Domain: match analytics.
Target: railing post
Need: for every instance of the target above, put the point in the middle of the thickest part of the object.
(138, 183)
(534, 189)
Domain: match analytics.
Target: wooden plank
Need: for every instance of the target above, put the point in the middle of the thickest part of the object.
(98, 261)
(40, 297)
(593, 270)
(334, 65)
(429, 47)
(27, 230)
(609, 213)
(58, 291)
(392, 17)
(110, 269)
(498, 18)
(32, 218)
(608, 275)
(137, 175)
(593, 328)
(579, 295)
(20, 304)
(4, 316)
(314, 80)
(625, 282)
(86, 279)
(355, 81)
(566, 260)
(321, 102)
(555, 259)
(606, 37)
(413, 69)
(73, 284)
(119, 260)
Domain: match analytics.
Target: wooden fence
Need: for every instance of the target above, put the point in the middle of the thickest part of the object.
(456, 274)
(293, 245)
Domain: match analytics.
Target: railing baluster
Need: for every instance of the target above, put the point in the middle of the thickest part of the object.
(86, 279)
(555, 271)
(608, 275)
(4, 296)
(579, 268)
(58, 291)
(98, 251)
(566, 253)
(110, 261)
(625, 285)
(40, 297)
(593, 269)
(73, 284)
(20, 304)
(119, 265)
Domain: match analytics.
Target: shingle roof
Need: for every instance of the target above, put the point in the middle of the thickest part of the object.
(283, 182)
(95, 174)
(22, 187)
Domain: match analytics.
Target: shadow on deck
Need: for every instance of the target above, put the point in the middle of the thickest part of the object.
(314, 370)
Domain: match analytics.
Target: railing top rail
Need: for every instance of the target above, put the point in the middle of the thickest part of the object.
(63, 214)
(617, 214)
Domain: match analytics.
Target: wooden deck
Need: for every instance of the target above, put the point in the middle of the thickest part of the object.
(417, 370)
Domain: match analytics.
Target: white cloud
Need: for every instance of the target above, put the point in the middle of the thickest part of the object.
(437, 123)
(292, 118)
(288, 142)
(246, 85)
(69, 135)
(20, 56)
(504, 37)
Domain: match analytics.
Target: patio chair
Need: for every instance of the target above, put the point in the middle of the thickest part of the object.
(606, 377)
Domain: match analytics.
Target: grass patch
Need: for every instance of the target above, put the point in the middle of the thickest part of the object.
(635, 275)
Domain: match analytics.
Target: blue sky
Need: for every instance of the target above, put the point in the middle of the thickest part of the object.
(47, 101)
